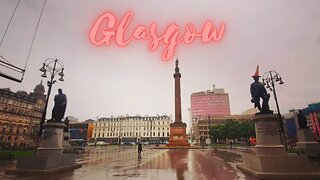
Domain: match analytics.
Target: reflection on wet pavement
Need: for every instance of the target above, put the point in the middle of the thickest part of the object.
(124, 163)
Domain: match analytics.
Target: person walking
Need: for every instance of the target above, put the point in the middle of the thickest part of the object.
(139, 148)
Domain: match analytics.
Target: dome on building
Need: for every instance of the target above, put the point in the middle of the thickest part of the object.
(23, 93)
(39, 88)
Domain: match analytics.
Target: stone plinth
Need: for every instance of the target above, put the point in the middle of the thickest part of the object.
(306, 143)
(52, 139)
(49, 157)
(67, 148)
(270, 160)
(178, 136)
(268, 135)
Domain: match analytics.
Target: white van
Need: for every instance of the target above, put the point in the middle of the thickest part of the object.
(101, 143)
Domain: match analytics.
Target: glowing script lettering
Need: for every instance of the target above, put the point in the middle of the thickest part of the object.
(105, 28)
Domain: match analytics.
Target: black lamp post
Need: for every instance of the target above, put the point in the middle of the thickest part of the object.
(150, 131)
(270, 78)
(120, 131)
(54, 67)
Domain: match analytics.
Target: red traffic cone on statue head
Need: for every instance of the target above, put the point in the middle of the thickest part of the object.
(257, 72)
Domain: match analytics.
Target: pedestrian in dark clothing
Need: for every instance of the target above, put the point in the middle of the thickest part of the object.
(139, 148)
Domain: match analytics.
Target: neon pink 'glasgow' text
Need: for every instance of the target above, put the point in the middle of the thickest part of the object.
(171, 37)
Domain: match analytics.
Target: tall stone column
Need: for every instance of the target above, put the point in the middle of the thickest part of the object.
(178, 136)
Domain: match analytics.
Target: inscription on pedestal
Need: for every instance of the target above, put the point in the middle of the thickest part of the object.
(47, 135)
(178, 131)
(271, 129)
(177, 137)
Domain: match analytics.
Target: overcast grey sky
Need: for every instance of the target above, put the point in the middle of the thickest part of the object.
(283, 35)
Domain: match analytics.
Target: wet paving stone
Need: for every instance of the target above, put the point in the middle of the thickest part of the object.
(123, 163)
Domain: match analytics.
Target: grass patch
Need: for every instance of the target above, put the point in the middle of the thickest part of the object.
(293, 151)
(18, 153)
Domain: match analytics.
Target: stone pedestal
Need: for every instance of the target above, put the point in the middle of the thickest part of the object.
(49, 157)
(67, 148)
(268, 135)
(306, 143)
(270, 160)
(52, 139)
(178, 136)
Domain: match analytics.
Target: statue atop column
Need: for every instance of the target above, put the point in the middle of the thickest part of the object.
(258, 91)
(177, 67)
(60, 105)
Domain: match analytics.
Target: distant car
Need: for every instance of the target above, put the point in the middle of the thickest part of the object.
(79, 149)
(101, 143)
(91, 143)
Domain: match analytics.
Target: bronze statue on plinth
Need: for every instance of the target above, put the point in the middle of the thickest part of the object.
(60, 105)
(258, 91)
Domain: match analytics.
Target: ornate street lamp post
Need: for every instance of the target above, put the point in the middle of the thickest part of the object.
(270, 78)
(150, 131)
(120, 131)
(54, 67)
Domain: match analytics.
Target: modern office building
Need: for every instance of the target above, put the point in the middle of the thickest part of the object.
(20, 115)
(132, 129)
(213, 102)
(205, 105)
(81, 131)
